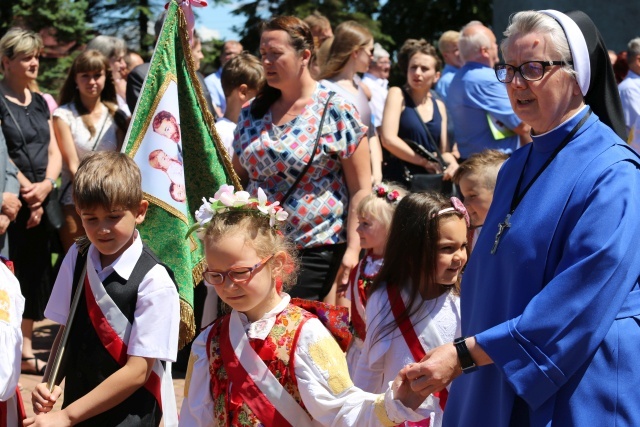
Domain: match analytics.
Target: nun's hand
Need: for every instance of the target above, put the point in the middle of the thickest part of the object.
(435, 371)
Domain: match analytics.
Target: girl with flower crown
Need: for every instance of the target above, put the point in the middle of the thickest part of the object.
(270, 362)
(414, 302)
(374, 218)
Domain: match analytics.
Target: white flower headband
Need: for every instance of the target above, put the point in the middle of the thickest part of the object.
(227, 199)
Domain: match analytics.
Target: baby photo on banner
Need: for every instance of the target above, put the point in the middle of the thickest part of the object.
(159, 156)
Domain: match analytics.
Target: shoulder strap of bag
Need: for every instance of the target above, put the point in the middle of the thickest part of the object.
(426, 129)
(104, 122)
(24, 141)
(313, 153)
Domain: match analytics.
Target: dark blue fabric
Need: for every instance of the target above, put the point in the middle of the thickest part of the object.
(412, 128)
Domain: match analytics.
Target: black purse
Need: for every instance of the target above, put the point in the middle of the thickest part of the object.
(51, 205)
(428, 181)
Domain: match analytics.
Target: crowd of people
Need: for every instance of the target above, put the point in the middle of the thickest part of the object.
(345, 291)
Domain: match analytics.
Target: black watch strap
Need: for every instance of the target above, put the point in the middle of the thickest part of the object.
(464, 356)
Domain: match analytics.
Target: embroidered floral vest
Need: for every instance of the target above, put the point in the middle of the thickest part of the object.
(277, 351)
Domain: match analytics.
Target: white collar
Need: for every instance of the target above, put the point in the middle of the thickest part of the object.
(570, 118)
(123, 265)
(260, 328)
(379, 80)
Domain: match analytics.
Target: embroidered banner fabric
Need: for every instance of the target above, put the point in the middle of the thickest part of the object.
(173, 140)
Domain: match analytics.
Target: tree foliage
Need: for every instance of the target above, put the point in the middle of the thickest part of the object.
(336, 11)
(61, 22)
(128, 19)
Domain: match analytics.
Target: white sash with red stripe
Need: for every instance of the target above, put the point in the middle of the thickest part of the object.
(113, 329)
(262, 377)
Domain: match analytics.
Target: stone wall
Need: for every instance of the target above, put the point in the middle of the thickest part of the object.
(617, 20)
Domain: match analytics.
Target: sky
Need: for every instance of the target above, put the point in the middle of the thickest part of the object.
(215, 21)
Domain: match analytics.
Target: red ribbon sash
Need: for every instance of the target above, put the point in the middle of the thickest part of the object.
(410, 336)
(244, 385)
(113, 343)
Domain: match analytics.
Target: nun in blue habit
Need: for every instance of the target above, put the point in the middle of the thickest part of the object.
(550, 299)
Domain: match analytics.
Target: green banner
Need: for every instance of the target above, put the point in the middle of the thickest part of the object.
(173, 140)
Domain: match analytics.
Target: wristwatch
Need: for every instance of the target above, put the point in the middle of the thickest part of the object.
(54, 185)
(464, 356)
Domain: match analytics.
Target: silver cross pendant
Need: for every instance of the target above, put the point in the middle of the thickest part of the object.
(502, 227)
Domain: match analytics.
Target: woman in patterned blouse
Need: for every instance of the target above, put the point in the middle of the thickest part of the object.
(273, 142)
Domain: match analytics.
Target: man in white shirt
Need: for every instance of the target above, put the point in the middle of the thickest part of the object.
(376, 80)
(229, 49)
(630, 86)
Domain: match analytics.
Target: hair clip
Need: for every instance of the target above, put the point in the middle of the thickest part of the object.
(227, 199)
(382, 191)
(458, 207)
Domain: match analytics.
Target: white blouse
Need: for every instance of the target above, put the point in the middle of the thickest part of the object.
(11, 308)
(436, 322)
(317, 382)
(83, 141)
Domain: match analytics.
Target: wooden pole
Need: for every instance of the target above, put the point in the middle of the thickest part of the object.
(51, 381)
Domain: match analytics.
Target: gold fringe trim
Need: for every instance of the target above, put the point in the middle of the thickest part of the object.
(187, 325)
(83, 244)
(197, 271)
(208, 117)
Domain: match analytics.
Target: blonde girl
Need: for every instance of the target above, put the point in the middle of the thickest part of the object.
(270, 362)
(374, 218)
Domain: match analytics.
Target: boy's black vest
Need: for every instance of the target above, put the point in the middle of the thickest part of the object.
(87, 363)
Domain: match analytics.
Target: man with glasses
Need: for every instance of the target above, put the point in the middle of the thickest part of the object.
(478, 104)
(376, 79)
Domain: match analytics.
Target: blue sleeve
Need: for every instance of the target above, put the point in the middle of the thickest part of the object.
(491, 96)
(565, 323)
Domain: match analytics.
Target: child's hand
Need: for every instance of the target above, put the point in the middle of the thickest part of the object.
(42, 400)
(402, 391)
(55, 419)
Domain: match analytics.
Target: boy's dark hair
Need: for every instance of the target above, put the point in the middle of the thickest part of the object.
(411, 252)
(243, 68)
(109, 179)
(484, 164)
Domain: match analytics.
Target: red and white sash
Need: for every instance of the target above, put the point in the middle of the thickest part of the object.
(12, 411)
(358, 315)
(411, 338)
(113, 329)
(255, 383)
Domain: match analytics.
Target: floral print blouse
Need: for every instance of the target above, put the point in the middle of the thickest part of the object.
(274, 155)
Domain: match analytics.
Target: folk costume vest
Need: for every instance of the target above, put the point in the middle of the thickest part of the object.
(232, 407)
(89, 362)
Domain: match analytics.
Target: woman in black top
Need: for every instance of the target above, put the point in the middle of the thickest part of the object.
(409, 109)
(26, 124)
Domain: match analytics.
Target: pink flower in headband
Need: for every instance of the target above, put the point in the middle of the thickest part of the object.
(382, 190)
(227, 199)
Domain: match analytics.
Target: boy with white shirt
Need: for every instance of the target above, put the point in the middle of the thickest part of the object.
(127, 319)
(242, 77)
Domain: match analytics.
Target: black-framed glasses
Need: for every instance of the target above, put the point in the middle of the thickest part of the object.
(531, 71)
(236, 274)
